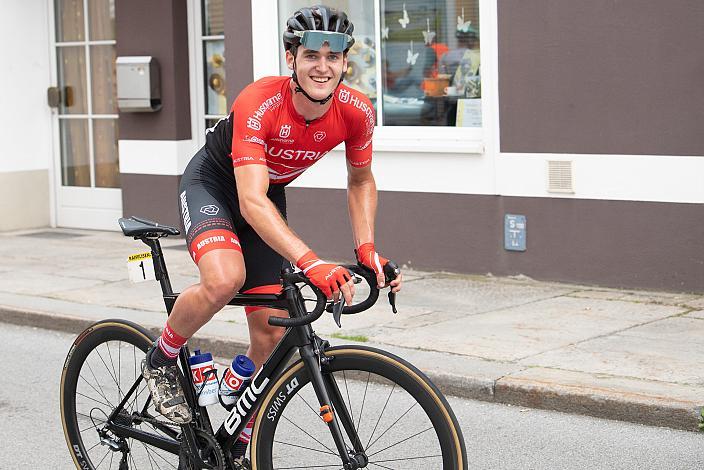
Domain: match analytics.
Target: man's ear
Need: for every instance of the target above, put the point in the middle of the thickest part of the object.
(344, 63)
(289, 60)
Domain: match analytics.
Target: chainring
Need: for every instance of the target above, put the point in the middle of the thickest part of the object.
(210, 452)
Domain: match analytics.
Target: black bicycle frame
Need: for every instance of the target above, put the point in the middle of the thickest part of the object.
(303, 338)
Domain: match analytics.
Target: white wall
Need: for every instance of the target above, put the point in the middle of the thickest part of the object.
(25, 118)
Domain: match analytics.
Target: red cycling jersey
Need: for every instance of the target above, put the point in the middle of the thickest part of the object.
(267, 130)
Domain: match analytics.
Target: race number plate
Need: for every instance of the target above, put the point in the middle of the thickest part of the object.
(141, 268)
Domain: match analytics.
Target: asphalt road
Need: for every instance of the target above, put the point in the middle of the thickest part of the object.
(497, 436)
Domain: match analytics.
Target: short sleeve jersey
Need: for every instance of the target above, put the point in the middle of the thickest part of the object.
(264, 129)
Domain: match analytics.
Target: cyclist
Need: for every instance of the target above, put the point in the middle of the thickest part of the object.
(235, 221)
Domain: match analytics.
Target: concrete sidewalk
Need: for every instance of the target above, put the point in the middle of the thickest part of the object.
(629, 355)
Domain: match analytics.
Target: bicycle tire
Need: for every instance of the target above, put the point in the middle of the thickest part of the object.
(92, 380)
(353, 367)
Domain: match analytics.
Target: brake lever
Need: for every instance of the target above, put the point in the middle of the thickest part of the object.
(391, 272)
(337, 311)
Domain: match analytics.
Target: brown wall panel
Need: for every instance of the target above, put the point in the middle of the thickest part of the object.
(238, 46)
(604, 76)
(158, 28)
(608, 243)
(152, 196)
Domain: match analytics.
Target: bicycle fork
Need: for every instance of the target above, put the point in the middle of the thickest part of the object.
(332, 407)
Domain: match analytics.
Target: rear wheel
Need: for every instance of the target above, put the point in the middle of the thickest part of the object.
(102, 366)
(401, 419)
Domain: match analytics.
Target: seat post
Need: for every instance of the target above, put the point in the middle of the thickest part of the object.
(160, 271)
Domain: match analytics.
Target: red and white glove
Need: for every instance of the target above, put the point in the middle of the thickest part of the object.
(367, 255)
(327, 277)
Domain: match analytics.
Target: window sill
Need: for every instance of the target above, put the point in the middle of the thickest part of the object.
(437, 145)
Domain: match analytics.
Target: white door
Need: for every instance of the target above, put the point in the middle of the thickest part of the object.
(87, 173)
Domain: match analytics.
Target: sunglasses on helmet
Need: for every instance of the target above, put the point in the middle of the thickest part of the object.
(315, 40)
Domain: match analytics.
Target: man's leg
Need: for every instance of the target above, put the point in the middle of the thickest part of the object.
(222, 274)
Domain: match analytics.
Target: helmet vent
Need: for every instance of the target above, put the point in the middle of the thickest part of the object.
(560, 177)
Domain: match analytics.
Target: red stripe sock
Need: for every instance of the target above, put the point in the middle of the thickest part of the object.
(170, 342)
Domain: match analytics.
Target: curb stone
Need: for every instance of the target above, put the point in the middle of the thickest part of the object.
(505, 390)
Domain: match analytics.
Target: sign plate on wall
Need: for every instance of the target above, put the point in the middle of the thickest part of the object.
(515, 232)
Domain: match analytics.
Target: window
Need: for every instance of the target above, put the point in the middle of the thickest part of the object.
(421, 56)
(213, 65)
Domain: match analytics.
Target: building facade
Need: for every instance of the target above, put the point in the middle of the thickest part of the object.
(561, 140)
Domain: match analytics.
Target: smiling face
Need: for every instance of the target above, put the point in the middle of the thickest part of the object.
(318, 71)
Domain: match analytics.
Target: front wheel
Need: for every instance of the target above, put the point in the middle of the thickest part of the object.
(392, 417)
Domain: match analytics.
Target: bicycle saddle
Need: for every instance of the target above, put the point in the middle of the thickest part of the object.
(137, 227)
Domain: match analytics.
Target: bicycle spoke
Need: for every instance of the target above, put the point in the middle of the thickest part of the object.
(306, 448)
(112, 364)
(310, 466)
(307, 434)
(408, 458)
(149, 456)
(101, 460)
(316, 413)
(364, 399)
(93, 399)
(154, 452)
(111, 457)
(101, 392)
(380, 415)
(114, 379)
(392, 425)
(349, 400)
(382, 466)
(401, 441)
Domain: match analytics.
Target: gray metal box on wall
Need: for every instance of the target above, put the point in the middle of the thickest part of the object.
(138, 87)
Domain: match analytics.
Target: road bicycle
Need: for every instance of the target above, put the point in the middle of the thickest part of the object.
(343, 407)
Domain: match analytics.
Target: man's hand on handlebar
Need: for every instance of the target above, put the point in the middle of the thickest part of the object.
(329, 278)
(367, 255)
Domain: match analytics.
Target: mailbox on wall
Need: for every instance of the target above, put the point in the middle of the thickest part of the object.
(138, 87)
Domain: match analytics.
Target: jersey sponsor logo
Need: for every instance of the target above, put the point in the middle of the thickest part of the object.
(291, 154)
(210, 209)
(285, 131)
(285, 141)
(344, 96)
(239, 160)
(184, 212)
(365, 145)
(255, 120)
(254, 124)
(209, 240)
(319, 136)
(360, 164)
(253, 139)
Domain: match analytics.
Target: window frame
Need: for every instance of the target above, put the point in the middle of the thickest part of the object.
(433, 139)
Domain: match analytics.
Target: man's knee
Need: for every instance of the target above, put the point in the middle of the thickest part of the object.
(221, 277)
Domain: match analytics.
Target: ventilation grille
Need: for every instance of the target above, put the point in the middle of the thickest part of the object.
(560, 176)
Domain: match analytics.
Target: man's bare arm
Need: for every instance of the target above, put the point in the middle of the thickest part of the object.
(361, 202)
(262, 214)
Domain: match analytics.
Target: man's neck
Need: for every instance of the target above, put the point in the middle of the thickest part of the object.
(305, 107)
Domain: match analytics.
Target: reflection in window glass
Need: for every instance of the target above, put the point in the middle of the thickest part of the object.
(107, 171)
(104, 87)
(213, 18)
(101, 18)
(215, 90)
(430, 62)
(69, 20)
(72, 79)
(75, 158)
(361, 59)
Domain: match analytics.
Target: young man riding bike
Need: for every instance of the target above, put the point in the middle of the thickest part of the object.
(235, 221)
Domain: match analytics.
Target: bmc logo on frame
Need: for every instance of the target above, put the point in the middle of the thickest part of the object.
(285, 131)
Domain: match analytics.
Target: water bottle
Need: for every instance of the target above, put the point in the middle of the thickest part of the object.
(204, 377)
(242, 368)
